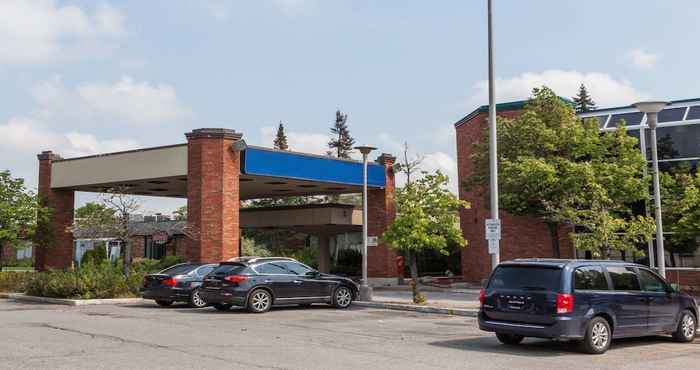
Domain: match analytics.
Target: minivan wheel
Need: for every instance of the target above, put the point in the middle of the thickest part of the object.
(342, 298)
(196, 300)
(598, 336)
(509, 339)
(259, 301)
(685, 332)
(164, 303)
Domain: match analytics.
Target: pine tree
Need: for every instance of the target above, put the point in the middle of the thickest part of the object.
(342, 142)
(281, 138)
(583, 102)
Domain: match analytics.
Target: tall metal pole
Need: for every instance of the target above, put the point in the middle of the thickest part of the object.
(365, 289)
(643, 149)
(493, 150)
(660, 253)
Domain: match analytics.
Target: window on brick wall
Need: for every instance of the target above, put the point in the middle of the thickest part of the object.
(153, 250)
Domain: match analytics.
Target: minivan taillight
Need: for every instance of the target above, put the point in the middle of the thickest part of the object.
(236, 278)
(565, 303)
(482, 295)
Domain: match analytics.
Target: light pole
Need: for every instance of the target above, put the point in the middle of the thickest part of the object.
(365, 289)
(652, 109)
(493, 157)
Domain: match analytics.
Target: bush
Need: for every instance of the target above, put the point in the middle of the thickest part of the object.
(151, 266)
(307, 256)
(14, 282)
(96, 255)
(92, 281)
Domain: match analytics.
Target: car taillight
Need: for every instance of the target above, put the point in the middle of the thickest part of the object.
(169, 282)
(235, 279)
(565, 303)
(482, 295)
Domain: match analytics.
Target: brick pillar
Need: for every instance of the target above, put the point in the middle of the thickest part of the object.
(213, 199)
(55, 244)
(381, 260)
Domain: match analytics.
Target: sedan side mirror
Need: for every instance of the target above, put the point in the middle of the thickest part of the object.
(313, 273)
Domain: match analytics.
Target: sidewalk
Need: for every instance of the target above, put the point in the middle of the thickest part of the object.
(462, 302)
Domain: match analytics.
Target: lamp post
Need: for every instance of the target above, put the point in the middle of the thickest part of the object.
(365, 289)
(494, 248)
(652, 109)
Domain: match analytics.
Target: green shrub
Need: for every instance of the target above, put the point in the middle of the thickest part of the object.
(14, 282)
(96, 255)
(307, 256)
(92, 281)
(150, 266)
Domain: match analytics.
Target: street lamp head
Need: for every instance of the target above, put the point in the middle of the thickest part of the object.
(651, 106)
(365, 149)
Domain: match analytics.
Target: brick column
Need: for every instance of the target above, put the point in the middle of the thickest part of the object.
(381, 260)
(55, 244)
(213, 199)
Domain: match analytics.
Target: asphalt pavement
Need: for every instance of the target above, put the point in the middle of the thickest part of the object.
(145, 336)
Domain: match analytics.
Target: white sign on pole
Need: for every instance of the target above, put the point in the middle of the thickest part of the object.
(372, 241)
(493, 229)
(494, 247)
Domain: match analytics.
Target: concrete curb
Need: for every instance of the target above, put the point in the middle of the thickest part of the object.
(468, 312)
(69, 302)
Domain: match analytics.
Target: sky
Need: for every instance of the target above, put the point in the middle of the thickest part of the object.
(87, 77)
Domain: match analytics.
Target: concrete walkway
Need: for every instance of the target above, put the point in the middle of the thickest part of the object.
(450, 299)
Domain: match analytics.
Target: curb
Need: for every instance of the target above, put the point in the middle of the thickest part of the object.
(70, 302)
(468, 312)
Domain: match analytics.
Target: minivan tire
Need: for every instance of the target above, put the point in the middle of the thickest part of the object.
(685, 331)
(509, 339)
(598, 336)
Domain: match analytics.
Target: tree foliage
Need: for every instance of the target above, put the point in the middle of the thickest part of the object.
(583, 101)
(21, 211)
(281, 138)
(426, 218)
(561, 169)
(680, 203)
(342, 142)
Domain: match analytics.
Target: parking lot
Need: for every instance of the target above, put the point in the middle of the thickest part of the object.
(146, 336)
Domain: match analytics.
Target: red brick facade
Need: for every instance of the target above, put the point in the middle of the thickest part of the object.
(59, 251)
(213, 199)
(522, 237)
(381, 260)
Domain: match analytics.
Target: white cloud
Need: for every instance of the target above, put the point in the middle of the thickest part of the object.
(432, 162)
(305, 142)
(29, 136)
(605, 90)
(641, 59)
(41, 31)
(121, 102)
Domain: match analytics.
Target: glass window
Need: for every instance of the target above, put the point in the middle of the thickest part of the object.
(590, 278)
(676, 142)
(229, 269)
(183, 268)
(296, 268)
(631, 119)
(271, 268)
(694, 112)
(205, 270)
(526, 278)
(671, 114)
(153, 250)
(651, 282)
(623, 278)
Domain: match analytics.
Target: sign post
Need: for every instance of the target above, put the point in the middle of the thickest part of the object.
(493, 234)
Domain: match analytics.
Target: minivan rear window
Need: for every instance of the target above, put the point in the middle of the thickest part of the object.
(526, 278)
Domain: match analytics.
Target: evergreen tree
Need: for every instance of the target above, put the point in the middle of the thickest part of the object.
(583, 101)
(281, 138)
(342, 142)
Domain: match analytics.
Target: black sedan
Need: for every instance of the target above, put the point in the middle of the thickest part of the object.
(178, 283)
(260, 283)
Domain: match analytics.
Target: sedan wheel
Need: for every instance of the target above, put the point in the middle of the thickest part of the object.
(259, 301)
(686, 328)
(196, 301)
(342, 297)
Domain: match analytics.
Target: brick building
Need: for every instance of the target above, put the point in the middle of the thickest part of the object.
(525, 237)
(215, 170)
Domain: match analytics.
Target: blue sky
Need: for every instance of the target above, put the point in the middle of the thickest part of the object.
(82, 77)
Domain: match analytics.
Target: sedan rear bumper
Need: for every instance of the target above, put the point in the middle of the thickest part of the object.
(223, 296)
(563, 328)
(166, 293)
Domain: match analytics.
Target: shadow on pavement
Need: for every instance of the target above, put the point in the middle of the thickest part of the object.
(541, 347)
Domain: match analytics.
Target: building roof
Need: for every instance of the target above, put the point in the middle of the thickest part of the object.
(501, 107)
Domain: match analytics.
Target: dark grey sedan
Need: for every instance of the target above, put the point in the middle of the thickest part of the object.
(178, 283)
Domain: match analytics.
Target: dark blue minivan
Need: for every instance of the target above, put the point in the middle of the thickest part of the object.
(583, 300)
